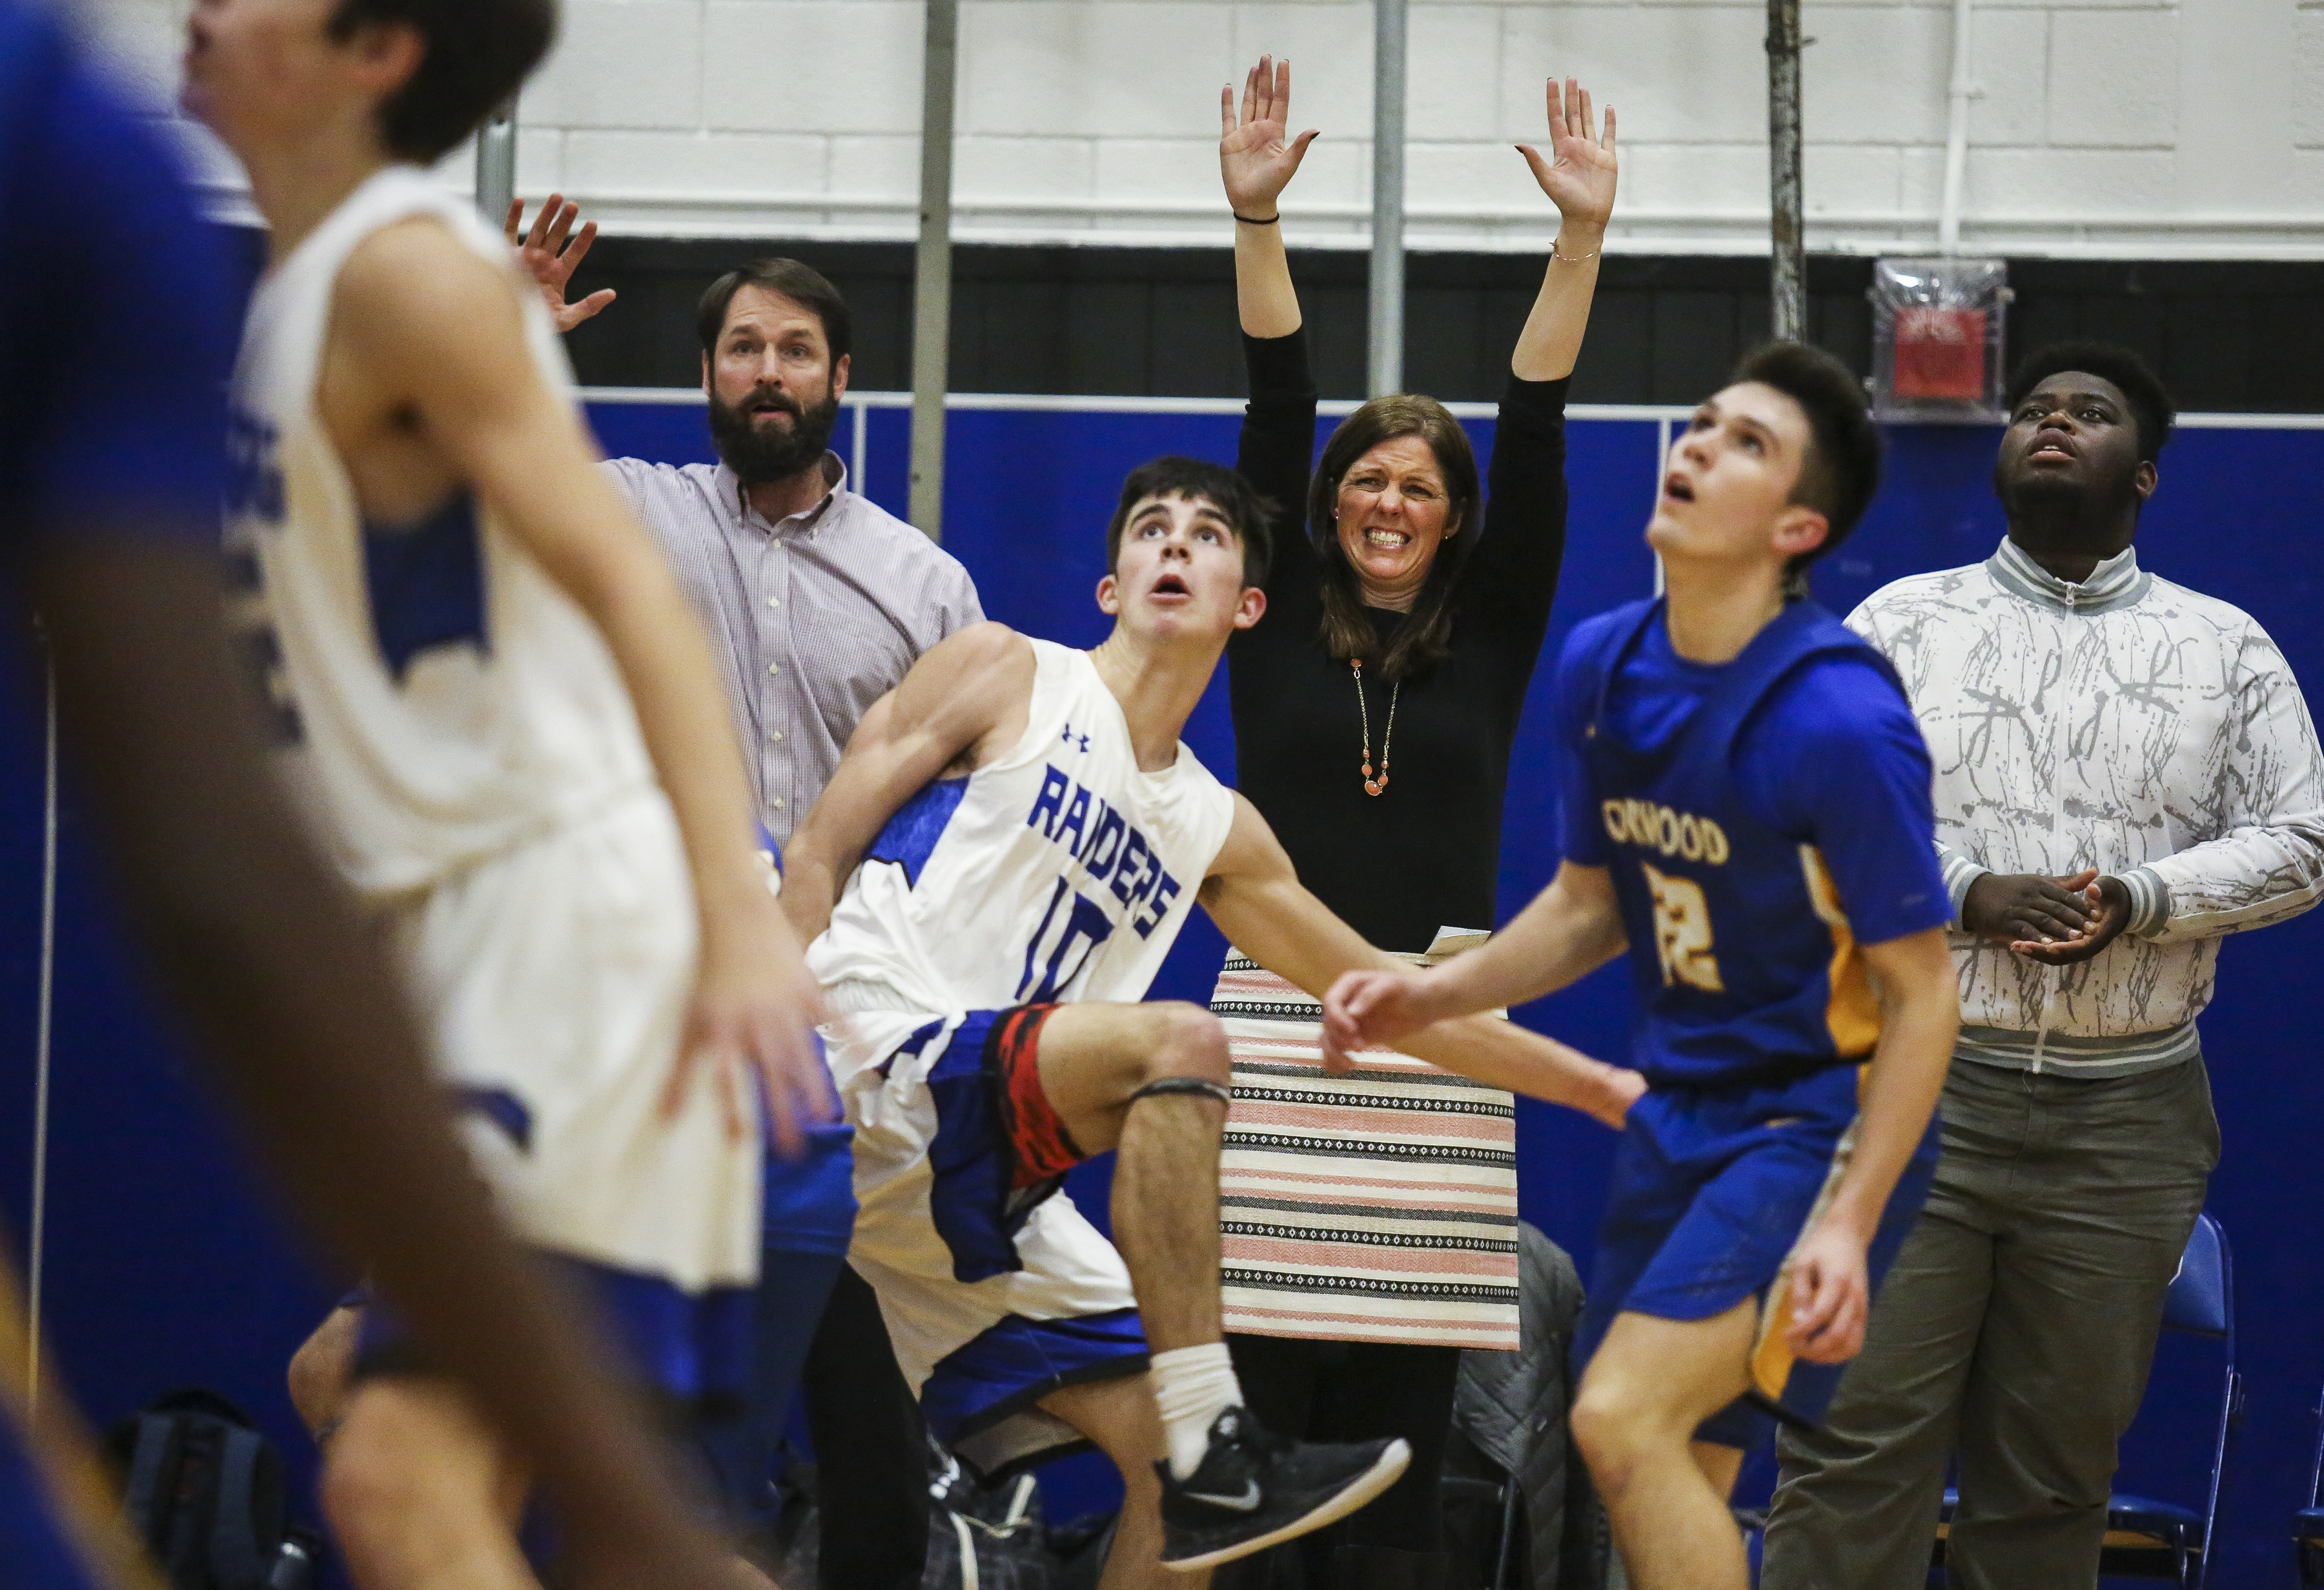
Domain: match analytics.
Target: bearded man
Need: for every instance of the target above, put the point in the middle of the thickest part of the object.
(817, 600)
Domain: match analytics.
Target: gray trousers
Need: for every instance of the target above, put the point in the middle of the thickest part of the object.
(2016, 1329)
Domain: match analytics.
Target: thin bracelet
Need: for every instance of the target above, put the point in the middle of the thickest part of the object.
(1571, 259)
(1255, 221)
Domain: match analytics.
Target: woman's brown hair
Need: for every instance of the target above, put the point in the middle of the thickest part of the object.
(1427, 632)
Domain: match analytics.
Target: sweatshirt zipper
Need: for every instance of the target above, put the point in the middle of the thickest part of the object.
(2060, 735)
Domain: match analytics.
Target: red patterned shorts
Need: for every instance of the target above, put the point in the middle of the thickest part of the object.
(1040, 1149)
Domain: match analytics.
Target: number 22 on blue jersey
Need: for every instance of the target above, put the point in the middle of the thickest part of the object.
(1683, 934)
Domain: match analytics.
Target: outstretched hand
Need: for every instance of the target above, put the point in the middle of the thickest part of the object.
(1579, 176)
(750, 1026)
(551, 252)
(1254, 160)
(1370, 1009)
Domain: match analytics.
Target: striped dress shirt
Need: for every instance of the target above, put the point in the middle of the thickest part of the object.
(811, 619)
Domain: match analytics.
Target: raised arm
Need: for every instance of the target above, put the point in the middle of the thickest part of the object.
(1258, 901)
(551, 252)
(1511, 578)
(1257, 163)
(1278, 426)
(1579, 179)
(964, 702)
(437, 332)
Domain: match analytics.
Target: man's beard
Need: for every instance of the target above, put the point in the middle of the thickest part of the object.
(758, 453)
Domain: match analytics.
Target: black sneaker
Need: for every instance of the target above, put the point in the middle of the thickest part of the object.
(1254, 1489)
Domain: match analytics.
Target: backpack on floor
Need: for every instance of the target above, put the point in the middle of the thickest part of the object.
(980, 1537)
(204, 1492)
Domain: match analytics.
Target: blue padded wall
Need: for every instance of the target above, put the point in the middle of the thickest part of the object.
(165, 1269)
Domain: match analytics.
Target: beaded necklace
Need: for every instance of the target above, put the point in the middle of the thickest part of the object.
(1374, 786)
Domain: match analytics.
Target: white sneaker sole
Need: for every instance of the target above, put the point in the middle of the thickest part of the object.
(1384, 1472)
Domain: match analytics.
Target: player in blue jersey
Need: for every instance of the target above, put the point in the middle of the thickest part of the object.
(113, 362)
(1744, 808)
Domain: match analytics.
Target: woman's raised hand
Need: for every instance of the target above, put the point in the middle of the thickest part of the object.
(1579, 177)
(1254, 160)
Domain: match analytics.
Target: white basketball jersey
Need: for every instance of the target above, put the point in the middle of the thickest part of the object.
(1058, 872)
(439, 699)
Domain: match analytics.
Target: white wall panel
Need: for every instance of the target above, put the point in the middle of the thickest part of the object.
(1447, 99)
(1132, 70)
(2029, 184)
(1852, 179)
(2125, 128)
(2308, 46)
(770, 165)
(1688, 74)
(2009, 61)
(624, 63)
(1875, 75)
(2114, 79)
(833, 65)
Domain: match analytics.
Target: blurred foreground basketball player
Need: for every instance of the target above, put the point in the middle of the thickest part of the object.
(501, 710)
(109, 529)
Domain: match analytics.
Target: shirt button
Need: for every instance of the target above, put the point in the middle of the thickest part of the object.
(774, 601)
(774, 667)
(775, 736)
(778, 803)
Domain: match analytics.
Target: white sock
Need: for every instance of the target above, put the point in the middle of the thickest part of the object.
(1192, 1386)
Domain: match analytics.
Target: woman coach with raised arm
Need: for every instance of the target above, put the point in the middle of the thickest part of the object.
(1369, 1219)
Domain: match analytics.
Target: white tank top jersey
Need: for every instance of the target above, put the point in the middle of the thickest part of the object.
(437, 697)
(1058, 872)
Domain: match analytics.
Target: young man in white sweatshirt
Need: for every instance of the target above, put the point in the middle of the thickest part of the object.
(2125, 772)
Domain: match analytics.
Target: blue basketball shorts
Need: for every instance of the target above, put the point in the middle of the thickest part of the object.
(1712, 1189)
(996, 1292)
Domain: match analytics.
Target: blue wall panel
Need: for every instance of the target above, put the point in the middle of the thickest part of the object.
(165, 1269)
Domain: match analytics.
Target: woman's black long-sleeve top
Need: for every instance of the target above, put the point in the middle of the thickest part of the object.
(1425, 852)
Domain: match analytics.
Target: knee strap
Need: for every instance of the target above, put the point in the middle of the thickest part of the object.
(1200, 1086)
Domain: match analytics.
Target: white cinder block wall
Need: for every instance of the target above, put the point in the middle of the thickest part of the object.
(2140, 128)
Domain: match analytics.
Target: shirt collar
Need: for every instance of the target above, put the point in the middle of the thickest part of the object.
(834, 474)
(2116, 583)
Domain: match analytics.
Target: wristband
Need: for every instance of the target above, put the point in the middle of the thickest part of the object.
(1571, 259)
(1271, 220)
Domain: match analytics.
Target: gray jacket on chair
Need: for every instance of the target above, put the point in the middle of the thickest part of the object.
(1513, 1407)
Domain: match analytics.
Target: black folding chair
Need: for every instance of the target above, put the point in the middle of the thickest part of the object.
(2308, 1523)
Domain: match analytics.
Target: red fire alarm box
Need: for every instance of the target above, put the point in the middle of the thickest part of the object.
(1940, 353)
(1937, 338)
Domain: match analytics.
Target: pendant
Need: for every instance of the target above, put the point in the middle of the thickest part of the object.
(1373, 786)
